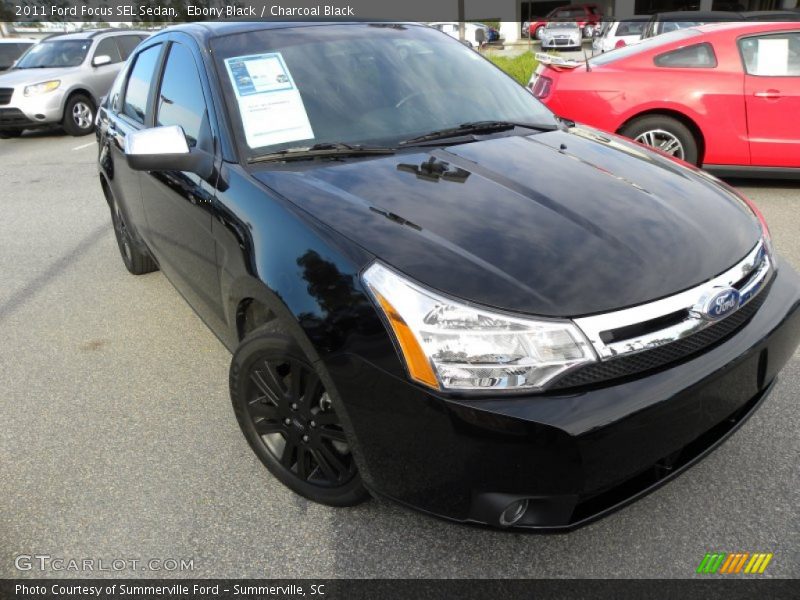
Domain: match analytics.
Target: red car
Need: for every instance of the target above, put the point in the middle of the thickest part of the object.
(724, 96)
(587, 16)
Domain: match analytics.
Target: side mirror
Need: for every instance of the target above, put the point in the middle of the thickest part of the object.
(100, 60)
(166, 149)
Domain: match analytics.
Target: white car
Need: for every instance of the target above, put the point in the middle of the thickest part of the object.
(470, 31)
(616, 34)
(561, 35)
(11, 49)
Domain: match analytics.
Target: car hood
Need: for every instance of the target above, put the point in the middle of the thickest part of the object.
(566, 223)
(16, 77)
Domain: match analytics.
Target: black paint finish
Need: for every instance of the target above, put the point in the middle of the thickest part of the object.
(565, 223)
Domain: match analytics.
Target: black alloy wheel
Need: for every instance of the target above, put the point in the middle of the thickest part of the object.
(136, 261)
(290, 421)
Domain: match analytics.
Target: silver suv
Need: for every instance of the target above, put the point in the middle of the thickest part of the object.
(61, 79)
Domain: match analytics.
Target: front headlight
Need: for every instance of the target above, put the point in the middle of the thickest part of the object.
(41, 88)
(451, 345)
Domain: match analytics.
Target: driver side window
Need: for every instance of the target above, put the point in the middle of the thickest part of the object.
(108, 47)
(181, 100)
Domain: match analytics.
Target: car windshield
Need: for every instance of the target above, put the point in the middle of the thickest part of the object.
(360, 84)
(562, 25)
(643, 46)
(61, 53)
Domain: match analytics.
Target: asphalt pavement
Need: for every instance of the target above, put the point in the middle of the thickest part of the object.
(118, 442)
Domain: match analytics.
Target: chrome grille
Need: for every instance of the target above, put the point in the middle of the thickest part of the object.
(652, 335)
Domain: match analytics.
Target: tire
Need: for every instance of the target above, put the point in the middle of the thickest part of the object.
(6, 134)
(136, 261)
(663, 132)
(293, 429)
(539, 33)
(79, 114)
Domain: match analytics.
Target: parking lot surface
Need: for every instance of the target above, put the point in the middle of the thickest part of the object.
(118, 439)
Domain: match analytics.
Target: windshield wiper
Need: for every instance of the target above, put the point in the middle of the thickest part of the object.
(322, 150)
(476, 127)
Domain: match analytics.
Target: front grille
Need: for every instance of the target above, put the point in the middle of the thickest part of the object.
(14, 117)
(668, 354)
(5, 95)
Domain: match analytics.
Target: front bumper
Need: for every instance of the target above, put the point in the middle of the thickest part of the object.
(561, 43)
(26, 112)
(575, 455)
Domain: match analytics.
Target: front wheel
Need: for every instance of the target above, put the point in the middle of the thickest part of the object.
(665, 134)
(78, 115)
(539, 34)
(136, 261)
(290, 421)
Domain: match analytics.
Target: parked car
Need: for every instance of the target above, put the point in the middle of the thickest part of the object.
(433, 289)
(470, 32)
(11, 49)
(616, 34)
(561, 34)
(588, 16)
(61, 79)
(672, 21)
(719, 96)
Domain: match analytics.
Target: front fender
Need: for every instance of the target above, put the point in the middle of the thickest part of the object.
(299, 269)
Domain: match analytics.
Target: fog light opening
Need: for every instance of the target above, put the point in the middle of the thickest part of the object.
(513, 512)
(41, 117)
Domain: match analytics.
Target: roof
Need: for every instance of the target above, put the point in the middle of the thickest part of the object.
(698, 15)
(210, 29)
(87, 35)
(747, 26)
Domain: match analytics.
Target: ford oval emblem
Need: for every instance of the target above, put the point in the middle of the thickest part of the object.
(721, 304)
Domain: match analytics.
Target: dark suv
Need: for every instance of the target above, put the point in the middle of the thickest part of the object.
(432, 288)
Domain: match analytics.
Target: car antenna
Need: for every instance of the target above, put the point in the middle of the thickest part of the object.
(586, 61)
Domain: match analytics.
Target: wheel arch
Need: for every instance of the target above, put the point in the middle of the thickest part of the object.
(690, 123)
(74, 92)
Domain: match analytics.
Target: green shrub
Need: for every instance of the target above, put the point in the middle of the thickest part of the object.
(519, 67)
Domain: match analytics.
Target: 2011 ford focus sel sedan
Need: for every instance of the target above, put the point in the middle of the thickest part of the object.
(433, 289)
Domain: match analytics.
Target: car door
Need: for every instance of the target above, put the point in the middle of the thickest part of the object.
(125, 111)
(772, 97)
(179, 205)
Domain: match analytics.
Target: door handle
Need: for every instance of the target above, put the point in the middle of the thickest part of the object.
(768, 94)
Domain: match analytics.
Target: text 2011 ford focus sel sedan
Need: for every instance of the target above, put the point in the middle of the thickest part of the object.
(434, 290)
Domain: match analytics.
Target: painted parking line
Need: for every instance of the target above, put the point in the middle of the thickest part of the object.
(84, 146)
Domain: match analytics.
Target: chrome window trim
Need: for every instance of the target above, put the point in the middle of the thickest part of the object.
(758, 264)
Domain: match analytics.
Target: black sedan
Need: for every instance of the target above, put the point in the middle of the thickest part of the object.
(434, 290)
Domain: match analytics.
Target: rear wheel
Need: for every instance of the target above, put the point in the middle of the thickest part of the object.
(78, 115)
(136, 261)
(666, 134)
(289, 419)
(10, 133)
(539, 33)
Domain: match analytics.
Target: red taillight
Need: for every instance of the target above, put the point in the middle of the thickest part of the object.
(619, 44)
(541, 87)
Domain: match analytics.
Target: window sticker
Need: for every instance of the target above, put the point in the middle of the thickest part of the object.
(772, 57)
(270, 104)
